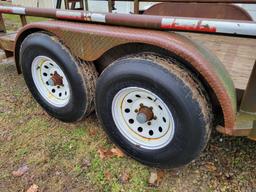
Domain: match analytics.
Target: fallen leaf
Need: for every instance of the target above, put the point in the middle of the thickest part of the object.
(156, 178)
(104, 153)
(210, 167)
(107, 175)
(124, 178)
(160, 175)
(92, 132)
(33, 188)
(117, 152)
(108, 153)
(21, 171)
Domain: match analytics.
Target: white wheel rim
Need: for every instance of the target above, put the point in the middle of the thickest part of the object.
(152, 136)
(43, 69)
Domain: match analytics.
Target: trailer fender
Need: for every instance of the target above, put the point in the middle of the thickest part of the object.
(90, 41)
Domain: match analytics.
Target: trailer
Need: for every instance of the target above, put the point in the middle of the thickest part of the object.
(159, 79)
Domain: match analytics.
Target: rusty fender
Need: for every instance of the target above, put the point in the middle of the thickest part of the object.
(90, 41)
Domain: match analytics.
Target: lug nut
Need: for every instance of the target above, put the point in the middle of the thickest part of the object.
(149, 123)
(136, 110)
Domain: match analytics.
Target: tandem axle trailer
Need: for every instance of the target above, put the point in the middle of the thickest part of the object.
(159, 82)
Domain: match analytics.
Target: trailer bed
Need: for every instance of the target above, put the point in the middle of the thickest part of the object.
(238, 54)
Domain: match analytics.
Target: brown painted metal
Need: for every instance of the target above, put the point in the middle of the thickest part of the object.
(110, 6)
(23, 20)
(90, 41)
(245, 126)
(253, 132)
(41, 12)
(136, 6)
(248, 104)
(203, 10)
(2, 24)
(231, 27)
(236, 132)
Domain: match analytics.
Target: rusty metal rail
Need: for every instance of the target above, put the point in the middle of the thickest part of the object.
(231, 27)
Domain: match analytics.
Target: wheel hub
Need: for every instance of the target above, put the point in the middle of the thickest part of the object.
(56, 80)
(143, 118)
(145, 114)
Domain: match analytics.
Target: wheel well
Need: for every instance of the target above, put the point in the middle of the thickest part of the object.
(19, 41)
(125, 50)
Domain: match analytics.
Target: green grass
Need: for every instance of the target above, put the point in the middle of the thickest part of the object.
(13, 22)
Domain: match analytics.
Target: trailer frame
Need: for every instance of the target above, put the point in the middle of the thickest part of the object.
(122, 30)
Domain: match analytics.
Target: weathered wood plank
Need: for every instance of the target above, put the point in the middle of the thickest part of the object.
(238, 54)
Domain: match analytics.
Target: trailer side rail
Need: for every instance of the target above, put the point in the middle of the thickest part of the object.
(231, 27)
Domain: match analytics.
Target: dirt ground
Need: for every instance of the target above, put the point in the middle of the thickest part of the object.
(68, 157)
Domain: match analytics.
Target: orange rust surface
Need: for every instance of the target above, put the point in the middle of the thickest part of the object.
(147, 111)
(57, 79)
(90, 41)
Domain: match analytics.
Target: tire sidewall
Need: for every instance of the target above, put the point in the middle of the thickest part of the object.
(40, 44)
(185, 110)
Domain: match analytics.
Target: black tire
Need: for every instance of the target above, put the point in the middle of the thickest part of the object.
(81, 76)
(183, 94)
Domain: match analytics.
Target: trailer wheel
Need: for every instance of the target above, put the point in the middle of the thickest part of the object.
(63, 85)
(154, 109)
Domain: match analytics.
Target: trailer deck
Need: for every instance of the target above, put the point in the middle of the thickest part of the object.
(237, 54)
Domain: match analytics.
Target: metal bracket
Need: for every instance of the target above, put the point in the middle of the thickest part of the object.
(2, 24)
(248, 104)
